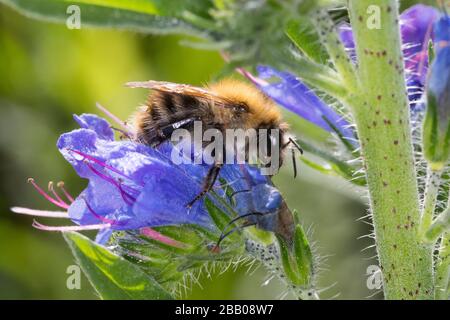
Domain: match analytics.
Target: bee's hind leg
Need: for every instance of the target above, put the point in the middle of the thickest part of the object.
(210, 179)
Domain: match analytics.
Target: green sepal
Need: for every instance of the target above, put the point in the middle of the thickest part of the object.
(297, 258)
(112, 276)
(436, 135)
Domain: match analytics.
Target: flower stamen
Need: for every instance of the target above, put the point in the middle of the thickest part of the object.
(65, 192)
(40, 213)
(46, 196)
(52, 190)
(116, 119)
(124, 194)
(101, 163)
(41, 226)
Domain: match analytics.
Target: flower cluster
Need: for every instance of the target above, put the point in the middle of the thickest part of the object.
(132, 186)
(416, 25)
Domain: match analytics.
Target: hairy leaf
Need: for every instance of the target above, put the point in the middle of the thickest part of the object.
(112, 276)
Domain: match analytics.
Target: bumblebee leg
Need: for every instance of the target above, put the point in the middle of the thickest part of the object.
(294, 163)
(210, 179)
(297, 146)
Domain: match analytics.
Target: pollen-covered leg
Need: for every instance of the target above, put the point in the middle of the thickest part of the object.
(210, 179)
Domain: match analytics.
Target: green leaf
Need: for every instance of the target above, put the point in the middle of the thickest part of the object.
(112, 276)
(220, 218)
(306, 39)
(303, 255)
(138, 15)
(155, 7)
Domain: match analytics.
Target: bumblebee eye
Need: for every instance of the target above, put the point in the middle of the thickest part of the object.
(240, 108)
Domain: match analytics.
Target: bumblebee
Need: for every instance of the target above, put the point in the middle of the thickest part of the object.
(228, 104)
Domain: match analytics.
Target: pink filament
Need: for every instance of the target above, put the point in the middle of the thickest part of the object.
(40, 226)
(66, 194)
(245, 73)
(155, 235)
(115, 183)
(46, 196)
(40, 213)
(101, 163)
(115, 119)
(52, 190)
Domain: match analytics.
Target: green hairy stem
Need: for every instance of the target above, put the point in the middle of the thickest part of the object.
(442, 226)
(429, 204)
(335, 48)
(381, 112)
(443, 270)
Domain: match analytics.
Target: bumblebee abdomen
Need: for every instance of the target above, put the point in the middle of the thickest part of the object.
(166, 112)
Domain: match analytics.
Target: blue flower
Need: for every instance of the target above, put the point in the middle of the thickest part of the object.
(132, 186)
(436, 130)
(295, 96)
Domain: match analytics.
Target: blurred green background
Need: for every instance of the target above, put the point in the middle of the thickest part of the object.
(48, 73)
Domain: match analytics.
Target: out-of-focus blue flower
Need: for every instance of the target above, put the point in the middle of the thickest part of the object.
(439, 79)
(295, 96)
(436, 131)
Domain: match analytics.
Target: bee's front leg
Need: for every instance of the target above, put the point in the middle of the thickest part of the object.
(210, 179)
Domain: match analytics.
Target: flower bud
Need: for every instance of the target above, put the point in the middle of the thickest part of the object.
(436, 131)
(297, 259)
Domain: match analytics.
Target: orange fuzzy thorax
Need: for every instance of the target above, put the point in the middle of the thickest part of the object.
(261, 108)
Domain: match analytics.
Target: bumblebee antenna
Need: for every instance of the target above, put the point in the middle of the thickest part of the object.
(296, 145)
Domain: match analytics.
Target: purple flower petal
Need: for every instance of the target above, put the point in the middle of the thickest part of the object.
(164, 198)
(295, 96)
(97, 124)
(416, 25)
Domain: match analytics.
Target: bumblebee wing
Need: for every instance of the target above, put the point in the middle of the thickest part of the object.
(182, 89)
